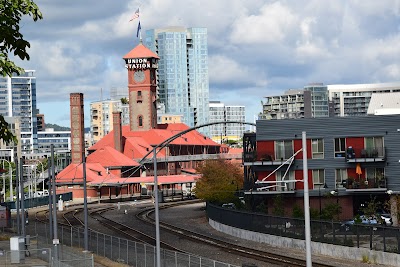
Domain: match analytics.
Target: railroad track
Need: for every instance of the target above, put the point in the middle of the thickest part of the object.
(131, 233)
(226, 246)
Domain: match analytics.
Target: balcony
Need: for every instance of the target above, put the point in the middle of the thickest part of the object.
(371, 183)
(375, 154)
(265, 159)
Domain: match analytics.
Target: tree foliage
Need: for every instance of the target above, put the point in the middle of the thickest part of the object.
(5, 134)
(219, 182)
(12, 40)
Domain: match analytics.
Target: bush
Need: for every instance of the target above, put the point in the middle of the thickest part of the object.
(297, 212)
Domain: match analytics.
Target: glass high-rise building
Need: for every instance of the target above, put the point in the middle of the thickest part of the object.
(183, 85)
(18, 99)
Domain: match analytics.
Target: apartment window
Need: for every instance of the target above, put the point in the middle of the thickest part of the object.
(374, 146)
(340, 147)
(375, 173)
(318, 178)
(283, 149)
(340, 177)
(289, 186)
(317, 147)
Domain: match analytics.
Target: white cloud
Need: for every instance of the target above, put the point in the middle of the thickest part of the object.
(256, 47)
(271, 25)
(226, 70)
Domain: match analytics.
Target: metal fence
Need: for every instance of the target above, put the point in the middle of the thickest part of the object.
(38, 201)
(374, 237)
(44, 255)
(122, 250)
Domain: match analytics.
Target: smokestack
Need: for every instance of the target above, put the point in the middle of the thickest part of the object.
(117, 128)
(77, 127)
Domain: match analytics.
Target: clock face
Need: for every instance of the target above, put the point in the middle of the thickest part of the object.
(139, 76)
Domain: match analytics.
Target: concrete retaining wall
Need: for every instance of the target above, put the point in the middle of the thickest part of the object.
(351, 253)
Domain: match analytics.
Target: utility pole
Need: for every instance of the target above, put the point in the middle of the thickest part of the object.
(55, 239)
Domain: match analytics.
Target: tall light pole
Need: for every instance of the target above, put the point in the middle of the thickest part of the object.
(42, 173)
(306, 202)
(4, 181)
(336, 192)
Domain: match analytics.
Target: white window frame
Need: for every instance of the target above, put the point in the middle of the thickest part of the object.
(319, 152)
(339, 153)
(340, 176)
(290, 186)
(316, 177)
(278, 157)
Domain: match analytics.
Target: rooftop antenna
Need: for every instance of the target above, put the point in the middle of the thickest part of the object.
(101, 94)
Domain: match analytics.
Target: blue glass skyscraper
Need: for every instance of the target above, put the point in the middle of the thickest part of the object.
(182, 72)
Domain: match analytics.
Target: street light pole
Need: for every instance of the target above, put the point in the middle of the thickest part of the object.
(4, 182)
(306, 202)
(157, 218)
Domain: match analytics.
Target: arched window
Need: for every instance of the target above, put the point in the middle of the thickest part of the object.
(140, 121)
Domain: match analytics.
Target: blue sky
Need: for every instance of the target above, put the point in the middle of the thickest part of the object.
(257, 48)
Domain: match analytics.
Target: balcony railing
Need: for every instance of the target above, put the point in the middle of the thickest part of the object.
(364, 183)
(365, 154)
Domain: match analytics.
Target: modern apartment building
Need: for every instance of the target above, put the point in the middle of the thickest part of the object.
(223, 132)
(318, 100)
(356, 156)
(11, 151)
(101, 117)
(293, 104)
(353, 99)
(168, 118)
(41, 125)
(60, 139)
(18, 99)
(182, 75)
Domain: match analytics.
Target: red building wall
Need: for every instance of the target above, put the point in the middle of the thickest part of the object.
(265, 148)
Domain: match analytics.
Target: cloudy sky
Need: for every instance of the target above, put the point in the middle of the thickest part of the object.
(257, 48)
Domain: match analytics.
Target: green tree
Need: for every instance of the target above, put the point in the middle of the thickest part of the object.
(279, 209)
(219, 182)
(12, 40)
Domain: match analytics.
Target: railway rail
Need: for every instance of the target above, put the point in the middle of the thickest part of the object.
(71, 219)
(226, 246)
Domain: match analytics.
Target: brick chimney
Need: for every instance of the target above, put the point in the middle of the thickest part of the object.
(77, 127)
(117, 128)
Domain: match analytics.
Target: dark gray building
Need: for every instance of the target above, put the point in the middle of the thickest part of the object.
(356, 157)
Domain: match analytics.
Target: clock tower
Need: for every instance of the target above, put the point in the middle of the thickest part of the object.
(142, 64)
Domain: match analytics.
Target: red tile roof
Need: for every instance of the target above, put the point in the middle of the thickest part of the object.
(165, 179)
(139, 143)
(235, 151)
(109, 157)
(140, 51)
(73, 173)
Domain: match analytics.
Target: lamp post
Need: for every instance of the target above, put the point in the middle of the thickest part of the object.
(42, 173)
(319, 195)
(4, 181)
(336, 192)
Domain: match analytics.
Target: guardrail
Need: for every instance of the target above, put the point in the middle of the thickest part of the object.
(374, 237)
